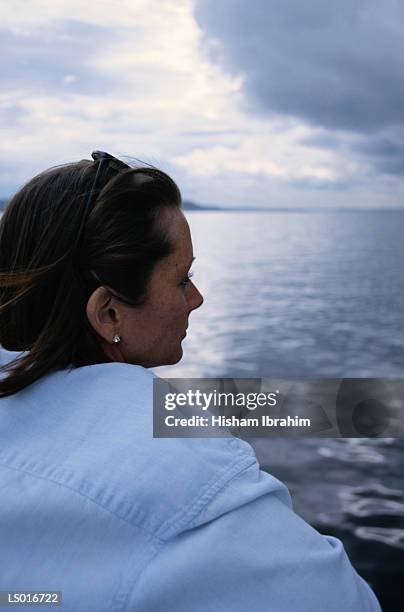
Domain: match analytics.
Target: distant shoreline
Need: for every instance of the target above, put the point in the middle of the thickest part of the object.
(192, 207)
(292, 210)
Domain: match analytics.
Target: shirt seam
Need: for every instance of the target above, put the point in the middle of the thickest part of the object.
(218, 487)
(208, 493)
(180, 520)
(150, 537)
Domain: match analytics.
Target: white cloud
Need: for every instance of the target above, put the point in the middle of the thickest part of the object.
(219, 159)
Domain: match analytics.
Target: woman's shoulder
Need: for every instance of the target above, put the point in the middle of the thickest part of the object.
(92, 427)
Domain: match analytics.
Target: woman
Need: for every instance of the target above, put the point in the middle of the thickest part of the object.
(94, 289)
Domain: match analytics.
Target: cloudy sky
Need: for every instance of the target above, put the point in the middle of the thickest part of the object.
(266, 103)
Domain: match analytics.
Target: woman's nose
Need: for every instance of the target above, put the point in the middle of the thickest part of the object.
(195, 298)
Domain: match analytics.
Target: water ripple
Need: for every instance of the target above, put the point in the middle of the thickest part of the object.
(350, 450)
(391, 537)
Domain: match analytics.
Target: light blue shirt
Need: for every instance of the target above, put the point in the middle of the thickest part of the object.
(93, 506)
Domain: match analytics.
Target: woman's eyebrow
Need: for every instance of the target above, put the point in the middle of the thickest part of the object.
(188, 265)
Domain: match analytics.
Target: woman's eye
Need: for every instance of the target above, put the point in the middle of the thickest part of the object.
(186, 279)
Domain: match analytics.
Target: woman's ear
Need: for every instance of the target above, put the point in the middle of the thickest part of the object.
(103, 313)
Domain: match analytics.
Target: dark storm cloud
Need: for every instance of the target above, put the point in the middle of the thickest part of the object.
(339, 65)
(385, 153)
(55, 59)
(322, 141)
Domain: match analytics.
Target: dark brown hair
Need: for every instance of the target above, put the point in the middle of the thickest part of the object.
(45, 281)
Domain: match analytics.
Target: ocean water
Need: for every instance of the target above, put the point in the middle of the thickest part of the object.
(312, 294)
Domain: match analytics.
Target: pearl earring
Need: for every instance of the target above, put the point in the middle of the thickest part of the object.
(116, 339)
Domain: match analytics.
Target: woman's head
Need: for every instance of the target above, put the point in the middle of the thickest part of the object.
(151, 333)
(67, 289)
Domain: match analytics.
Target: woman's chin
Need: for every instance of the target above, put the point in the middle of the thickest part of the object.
(172, 359)
(178, 356)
